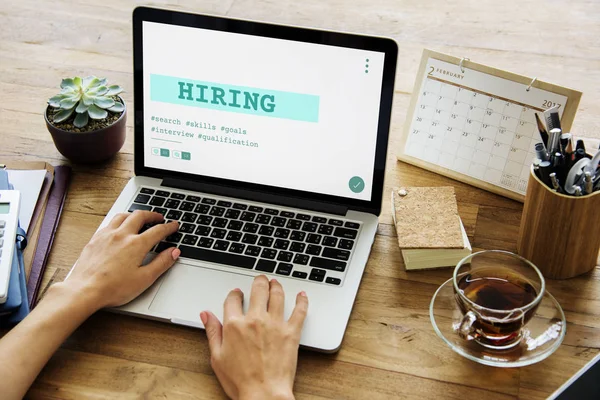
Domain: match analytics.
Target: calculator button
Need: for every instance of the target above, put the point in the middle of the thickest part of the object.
(2, 224)
(1, 243)
(1, 232)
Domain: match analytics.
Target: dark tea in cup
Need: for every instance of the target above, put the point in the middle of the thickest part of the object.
(498, 293)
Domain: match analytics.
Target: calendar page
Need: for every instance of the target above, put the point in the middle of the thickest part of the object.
(475, 124)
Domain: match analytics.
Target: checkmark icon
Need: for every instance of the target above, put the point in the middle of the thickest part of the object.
(356, 184)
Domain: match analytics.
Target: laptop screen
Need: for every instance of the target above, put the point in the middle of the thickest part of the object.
(261, 110)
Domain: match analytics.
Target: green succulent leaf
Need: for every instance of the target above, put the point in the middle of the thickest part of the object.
(81, 120)
(100, 90)
(96, 112)
(104, 102)
(92, 83)
(118, 107)
(81, 107)
(68, 83)
(87, 99)
(68, 103)
(77, 81)
(113, 90)
(68, 90)
(86, 81)
(103, 81)
(63, 115)
(54, 101)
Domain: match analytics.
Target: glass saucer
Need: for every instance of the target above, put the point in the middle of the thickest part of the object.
(541, 336)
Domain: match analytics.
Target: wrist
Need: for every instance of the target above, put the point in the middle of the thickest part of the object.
(84, 299)
(266, 393)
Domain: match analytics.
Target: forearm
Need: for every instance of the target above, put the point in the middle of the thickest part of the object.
(27, 347)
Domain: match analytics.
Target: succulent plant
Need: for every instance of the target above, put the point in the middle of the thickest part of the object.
(88, 97)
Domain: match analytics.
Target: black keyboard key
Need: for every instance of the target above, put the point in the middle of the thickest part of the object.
(157, 201)
(235, 225)
(333, 281)
(234, 236)
(202, 209)
(346, 244)
(301, 259)
(266, 230)
(249, 238)
(268, 253)
(265, 265)
(255, 209)
(172, 204)
(278, 221)
(263, 219)
(190, 240)
(239, 206)
(217, 211)
(178, 196)
(284, 269)
(247, 216)
(207, 200)
(204, 220)
(298, 235)
(174, 214)
(160, 210)
(202, 230)
(218, 233)
(345, 233)
(303, 217)
(147, 191)
(237, 248)
(189, 217)
(250, 227)
(281, 244)
(287, 214)
(343, 255)
(142, 207)
(219, 222)
(297, 247)
(299, 274)
(282, 233)
(221, 245)
(336, 222)
(265, 241)
(285, 256)
(206, 242)
(187, 206)
(174, 237)
(162, 193)
(317, 275)
(320, 220)
(187, 228)
(314, 238)
(325, 229)
(352, 225)
(224, 203)
(232, 214)
(294, 224)
(330, 241)
(309, 227)
(327, 263)
(252, 251)
(142, 199)
(193, 199)
(271, 211)
(313, 250)
(218, 257)
(145, 227)
(162, 246)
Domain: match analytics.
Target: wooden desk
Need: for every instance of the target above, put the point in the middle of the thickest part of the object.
(390, 349)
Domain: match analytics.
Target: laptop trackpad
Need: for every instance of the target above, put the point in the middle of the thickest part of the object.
(187, 290)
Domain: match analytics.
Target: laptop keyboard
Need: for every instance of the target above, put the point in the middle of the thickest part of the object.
(265, 239)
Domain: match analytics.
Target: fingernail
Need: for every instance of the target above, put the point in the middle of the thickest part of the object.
(204, 317)
(274, 280)
(303, 293)
(175, 254)
(237, 290)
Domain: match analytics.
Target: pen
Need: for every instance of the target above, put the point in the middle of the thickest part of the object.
(580, 145)
(578, 155)
(588, 182)
(536, 167)
(554, 181)
(545, 171)
(577, 190)
(540, 151)
(565, 138)
(542, 129)
(553, 144)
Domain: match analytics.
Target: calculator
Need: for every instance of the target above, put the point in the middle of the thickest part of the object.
(9, 219)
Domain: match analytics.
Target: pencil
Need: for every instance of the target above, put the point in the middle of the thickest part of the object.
(542, 129)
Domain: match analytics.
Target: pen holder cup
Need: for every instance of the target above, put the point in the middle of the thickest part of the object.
(560, 234)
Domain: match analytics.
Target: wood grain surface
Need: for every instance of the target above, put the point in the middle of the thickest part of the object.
(390, 349)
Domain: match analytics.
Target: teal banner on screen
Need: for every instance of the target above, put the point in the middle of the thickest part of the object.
(238, 99)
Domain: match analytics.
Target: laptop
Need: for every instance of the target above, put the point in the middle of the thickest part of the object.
(268, 144)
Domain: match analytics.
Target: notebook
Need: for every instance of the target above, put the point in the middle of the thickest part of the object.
(430, 231)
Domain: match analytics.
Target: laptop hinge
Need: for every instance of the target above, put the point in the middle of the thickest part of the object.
(262, 197)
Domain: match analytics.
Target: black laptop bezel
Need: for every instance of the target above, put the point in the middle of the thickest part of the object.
(385, 45)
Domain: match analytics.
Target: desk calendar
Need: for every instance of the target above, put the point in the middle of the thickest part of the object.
(477, 124)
